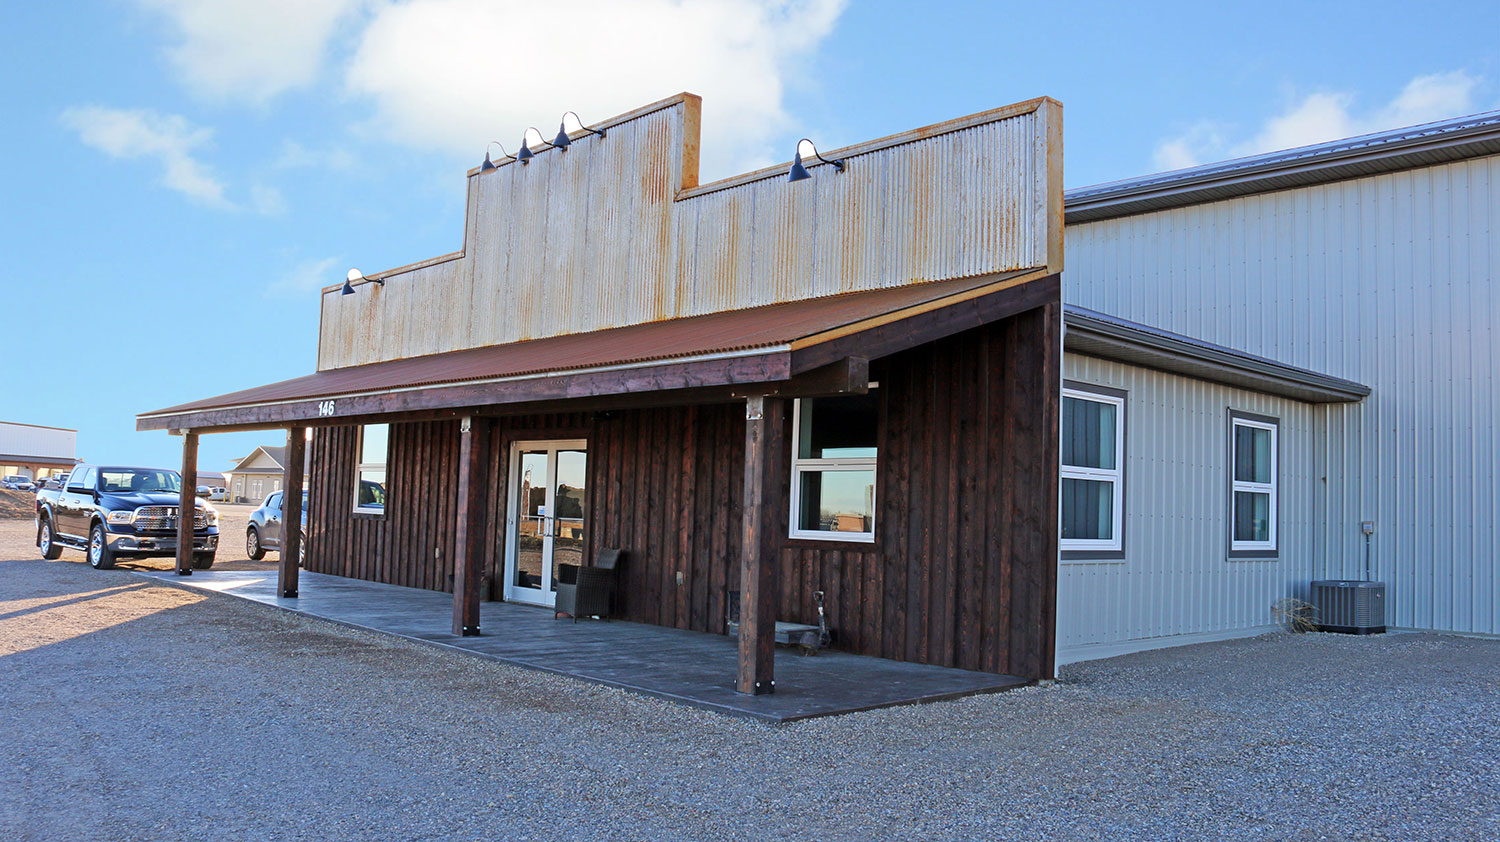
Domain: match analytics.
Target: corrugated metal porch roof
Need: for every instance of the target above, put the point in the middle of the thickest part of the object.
(769, 328)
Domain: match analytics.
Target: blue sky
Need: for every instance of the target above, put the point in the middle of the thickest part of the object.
(174, 164)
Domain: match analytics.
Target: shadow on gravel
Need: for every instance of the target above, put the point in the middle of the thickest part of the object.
(32, 622)
(61, 602)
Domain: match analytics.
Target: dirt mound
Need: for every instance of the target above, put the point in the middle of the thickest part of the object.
(17, 504)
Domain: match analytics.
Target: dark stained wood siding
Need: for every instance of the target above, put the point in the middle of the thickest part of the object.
(412, 543)
(673, 480)
(963, 570)
(962, 573)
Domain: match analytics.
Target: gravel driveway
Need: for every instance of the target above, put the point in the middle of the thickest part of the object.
(135, 711)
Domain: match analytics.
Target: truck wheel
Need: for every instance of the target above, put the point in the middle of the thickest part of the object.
(203, 561)
(101, 557)
(252, 545)
(51, 550)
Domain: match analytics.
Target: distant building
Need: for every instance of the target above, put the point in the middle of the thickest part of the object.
(34, 451)
(257, 476)
(213, 479)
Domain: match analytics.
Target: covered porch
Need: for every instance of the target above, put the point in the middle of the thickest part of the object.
(686, 465)
(692, 668)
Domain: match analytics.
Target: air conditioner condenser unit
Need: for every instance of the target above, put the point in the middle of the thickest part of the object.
(1349, 606)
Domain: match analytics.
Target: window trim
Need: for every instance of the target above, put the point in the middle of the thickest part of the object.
(847, 463)
(1096, 549)
(361, 467)
(1269, 549)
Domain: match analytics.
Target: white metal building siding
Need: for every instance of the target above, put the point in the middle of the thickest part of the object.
(29, 440)
(1388, 280)
(1176, 578)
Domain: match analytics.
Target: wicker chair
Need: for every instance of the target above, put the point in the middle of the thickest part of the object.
(592, 593)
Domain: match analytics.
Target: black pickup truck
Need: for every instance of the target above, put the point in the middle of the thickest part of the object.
(111, 513)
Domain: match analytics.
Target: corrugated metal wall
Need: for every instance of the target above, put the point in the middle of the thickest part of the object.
(605, 234)
(1387, 280)
(28, 440)
(1176, 577)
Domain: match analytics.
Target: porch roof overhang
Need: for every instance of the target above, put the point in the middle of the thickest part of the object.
(1097, 334)
(764, 350)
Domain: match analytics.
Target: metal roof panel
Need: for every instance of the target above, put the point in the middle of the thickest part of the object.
(770, 326)
(1405, 148)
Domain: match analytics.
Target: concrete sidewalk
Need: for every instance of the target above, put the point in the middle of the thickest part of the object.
(688, 667)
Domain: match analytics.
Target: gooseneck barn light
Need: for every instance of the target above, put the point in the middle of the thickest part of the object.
(562, 141)
(799, 172)
(488, 164)
(355, 276)
(524, 154)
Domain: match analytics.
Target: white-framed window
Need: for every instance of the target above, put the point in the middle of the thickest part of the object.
(833, 468)
(369, 476)
(1092, 455)
(1253, 481)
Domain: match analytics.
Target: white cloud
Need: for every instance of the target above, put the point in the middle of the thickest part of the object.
(251, 49)
(168, 139)
(1325, 116)
(306, 277)
(1186, 149)
(267, 201)
(295, 156)
(456, 74)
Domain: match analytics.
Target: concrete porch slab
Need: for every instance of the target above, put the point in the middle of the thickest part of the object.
(688, 667)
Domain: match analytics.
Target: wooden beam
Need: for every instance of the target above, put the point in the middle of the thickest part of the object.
(848, 376)
(291, 511)
(764, 451)
(728, 371)
(844, 376)
(1051, 375)
(473, 530)
(187, 503)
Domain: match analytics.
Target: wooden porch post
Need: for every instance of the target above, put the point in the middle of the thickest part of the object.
(763, 458)
(473, 523)
(187, 503)
(291, 511)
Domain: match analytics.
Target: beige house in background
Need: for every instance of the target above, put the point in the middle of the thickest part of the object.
(257, 476)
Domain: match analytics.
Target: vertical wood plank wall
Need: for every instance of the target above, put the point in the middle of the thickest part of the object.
(963, 571)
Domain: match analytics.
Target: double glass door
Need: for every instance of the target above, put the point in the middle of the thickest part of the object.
(548, 500)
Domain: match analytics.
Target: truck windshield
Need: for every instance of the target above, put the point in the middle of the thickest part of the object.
(126, 480)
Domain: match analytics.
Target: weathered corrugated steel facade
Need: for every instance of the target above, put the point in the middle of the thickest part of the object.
(616, 231)
(1387, 280)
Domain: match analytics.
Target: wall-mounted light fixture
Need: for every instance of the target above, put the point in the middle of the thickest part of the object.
(524, 154)
(562, 141)
(799, 172)
(488, 164)
(355, 276)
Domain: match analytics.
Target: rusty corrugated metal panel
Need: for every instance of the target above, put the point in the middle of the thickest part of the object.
(603, 236)
(776, 325)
